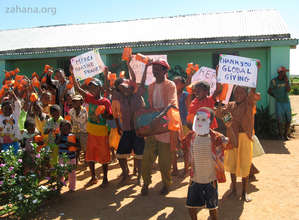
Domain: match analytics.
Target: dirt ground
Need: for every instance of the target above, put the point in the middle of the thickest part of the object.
(275, 194)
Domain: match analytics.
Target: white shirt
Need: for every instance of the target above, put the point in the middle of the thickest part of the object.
(201, 160)
(9, 125)
(79, 121)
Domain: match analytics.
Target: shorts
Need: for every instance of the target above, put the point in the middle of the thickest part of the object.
(283, 111)
(82, 140)
(130, 141)
(202, 195)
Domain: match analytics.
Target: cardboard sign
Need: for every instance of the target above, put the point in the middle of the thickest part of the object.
(138, 68)
(237, 70)
(205, 74)
(87, 65)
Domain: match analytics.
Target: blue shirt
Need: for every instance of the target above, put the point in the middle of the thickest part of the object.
(64, 148)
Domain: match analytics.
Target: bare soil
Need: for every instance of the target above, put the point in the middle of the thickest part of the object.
(275, 193)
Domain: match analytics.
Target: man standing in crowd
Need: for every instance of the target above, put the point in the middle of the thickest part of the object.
(162, 93)
(279, 89)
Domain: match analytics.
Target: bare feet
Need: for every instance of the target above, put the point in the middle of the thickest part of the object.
(164, 191)
(138, 182)
(144, 190)
(91, 182)
(104, 183)
(175, 173)
(124, 180)
(246, 198)
(183, 174)
(232, 193)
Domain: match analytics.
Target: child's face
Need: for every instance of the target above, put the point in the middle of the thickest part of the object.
(25, 106)
(240, 94)
(59, 75)
(45, 99)
(76, 104)
(65, 129)
(94, 90)
(68, 100)
(55, 114)
(7, 109)
(200, 92)
(31, 129)
(179, 84)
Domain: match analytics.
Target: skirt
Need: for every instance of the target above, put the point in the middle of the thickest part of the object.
(238, 160)
(97, 149)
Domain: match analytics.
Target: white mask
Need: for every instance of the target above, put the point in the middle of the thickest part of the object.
(201, 123)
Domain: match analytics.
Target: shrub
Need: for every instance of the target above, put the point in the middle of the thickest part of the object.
(265, 123)
(23, 191)
(294, 90)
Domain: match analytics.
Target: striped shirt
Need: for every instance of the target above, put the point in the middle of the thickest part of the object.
(63, 148)
(202, 162)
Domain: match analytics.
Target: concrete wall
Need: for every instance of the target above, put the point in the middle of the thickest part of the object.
(277, 56)
(2, 67)
(271, 58)
(27, 67)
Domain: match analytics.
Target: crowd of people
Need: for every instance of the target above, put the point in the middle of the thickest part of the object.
(97, 121)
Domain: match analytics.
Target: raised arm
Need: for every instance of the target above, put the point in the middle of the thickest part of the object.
(131, 72)
(76, 84)
(218, 87)
(143, 79)
(106, 81)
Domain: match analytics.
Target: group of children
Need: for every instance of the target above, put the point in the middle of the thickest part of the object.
(70, 117)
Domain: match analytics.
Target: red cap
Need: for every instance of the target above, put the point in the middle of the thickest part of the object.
(282, 69)
(162, 62)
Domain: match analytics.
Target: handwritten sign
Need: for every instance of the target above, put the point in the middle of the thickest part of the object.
(205, 74)
(87, 65)
(138, 68)
(237, 70)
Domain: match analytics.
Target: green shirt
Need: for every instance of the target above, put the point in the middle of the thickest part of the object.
(92, 117)
(22, 119)
(279, 90)
(51, 124)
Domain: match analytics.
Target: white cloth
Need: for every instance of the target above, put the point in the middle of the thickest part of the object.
(202, 161)
(9, 126)
(79, 121)
(158, 102)
(257, 149)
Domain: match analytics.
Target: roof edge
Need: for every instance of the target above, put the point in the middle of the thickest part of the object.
(150, 43)
(142, 19)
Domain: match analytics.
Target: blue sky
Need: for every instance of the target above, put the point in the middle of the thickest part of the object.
(72, 12)
(90, 11)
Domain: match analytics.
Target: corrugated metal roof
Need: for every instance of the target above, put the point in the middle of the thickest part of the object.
(234, 24)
